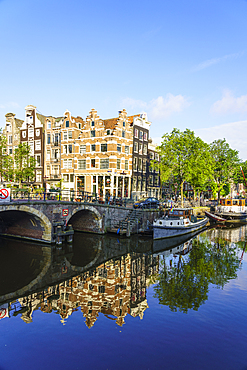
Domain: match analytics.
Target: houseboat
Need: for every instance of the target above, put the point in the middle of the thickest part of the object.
(178, 221)
(233, 210)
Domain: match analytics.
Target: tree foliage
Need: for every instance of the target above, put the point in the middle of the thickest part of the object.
(185, 157)
(225, 161)
(25, 164)
(6, 161)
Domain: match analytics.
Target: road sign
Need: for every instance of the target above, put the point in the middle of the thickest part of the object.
(4, 195)
(65, 212)
(4, 311)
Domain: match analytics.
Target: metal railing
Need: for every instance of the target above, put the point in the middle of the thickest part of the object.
(69, 196)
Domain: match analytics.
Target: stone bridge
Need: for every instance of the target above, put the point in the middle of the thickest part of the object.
(38, 220)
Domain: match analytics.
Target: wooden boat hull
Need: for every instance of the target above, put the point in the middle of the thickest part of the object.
(232, 216)
(161, 232)
(214, 217)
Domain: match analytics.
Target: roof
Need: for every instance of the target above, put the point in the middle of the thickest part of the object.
(110, 123)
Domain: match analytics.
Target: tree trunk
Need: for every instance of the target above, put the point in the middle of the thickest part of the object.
(182, 193)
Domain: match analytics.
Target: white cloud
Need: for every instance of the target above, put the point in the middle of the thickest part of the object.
(161, 107)
(210, 62)
(164, 107)
(235, 134)
(230, 104)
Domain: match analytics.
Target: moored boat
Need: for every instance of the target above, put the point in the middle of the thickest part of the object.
(214, 218)
(233, 210)
(178, 221)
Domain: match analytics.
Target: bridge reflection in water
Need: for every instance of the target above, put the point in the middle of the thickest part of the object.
(98, 274)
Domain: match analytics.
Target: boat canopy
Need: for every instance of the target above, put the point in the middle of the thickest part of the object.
(181, 212)
(232, 202)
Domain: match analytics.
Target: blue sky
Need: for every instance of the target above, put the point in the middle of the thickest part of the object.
(182, 61)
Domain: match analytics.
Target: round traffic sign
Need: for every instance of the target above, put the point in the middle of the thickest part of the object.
(3, 312)
(4, 193)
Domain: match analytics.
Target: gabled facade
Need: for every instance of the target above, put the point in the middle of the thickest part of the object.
(12, 132)
(32, 133)
(140, 139)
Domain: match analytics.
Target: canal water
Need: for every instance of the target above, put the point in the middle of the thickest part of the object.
(118, 303)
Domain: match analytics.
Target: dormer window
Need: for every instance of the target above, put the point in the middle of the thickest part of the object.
(67, 123)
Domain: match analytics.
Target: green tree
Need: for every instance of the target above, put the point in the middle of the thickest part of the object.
(6, 161)
(184, 157)
(225, 161)
(24, 164)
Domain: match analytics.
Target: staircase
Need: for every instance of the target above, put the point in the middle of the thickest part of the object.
(133, 217)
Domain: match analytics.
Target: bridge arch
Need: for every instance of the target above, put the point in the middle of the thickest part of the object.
(86, 218)
(25, 221)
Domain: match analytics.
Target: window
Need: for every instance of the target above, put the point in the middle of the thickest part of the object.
(136, 133)
(68, 149)
(139, 164)
(135, 164)
(66, 178)
(10, 139)
(108, 132)
(145, 149)
(144, 165)
(65, 135)
(67, 163)
(48, 155)
(145, 136)
(38, 145)
(48, 138)
(93, 147)
(151, 155)
(31, 145)
(48, 124)
(119, 148)
(127, 149)
(123, 133)
(123, 124)
(92, 162)
(38, 176)
(135, 147)
(81, 164)
(71, 177)
(140, 148)
(10, 150)
(67, 123)
(83, 149)
(79, 126)
(24, 135)
(118, 164)
(104, 147)
(156, 156)
(92, 123)
(101, 289)
(70, 134)
(38, 160)
(126, 165)
(104, 164)
(93, 133)
(30, 132)
(141, 135)
(37, 132)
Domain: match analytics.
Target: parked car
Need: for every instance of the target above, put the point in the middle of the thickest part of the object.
(147, 203)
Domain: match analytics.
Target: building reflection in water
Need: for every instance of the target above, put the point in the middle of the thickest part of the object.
(111, 276)
(115, 288)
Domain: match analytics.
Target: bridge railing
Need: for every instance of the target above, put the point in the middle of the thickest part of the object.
(69, 196)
